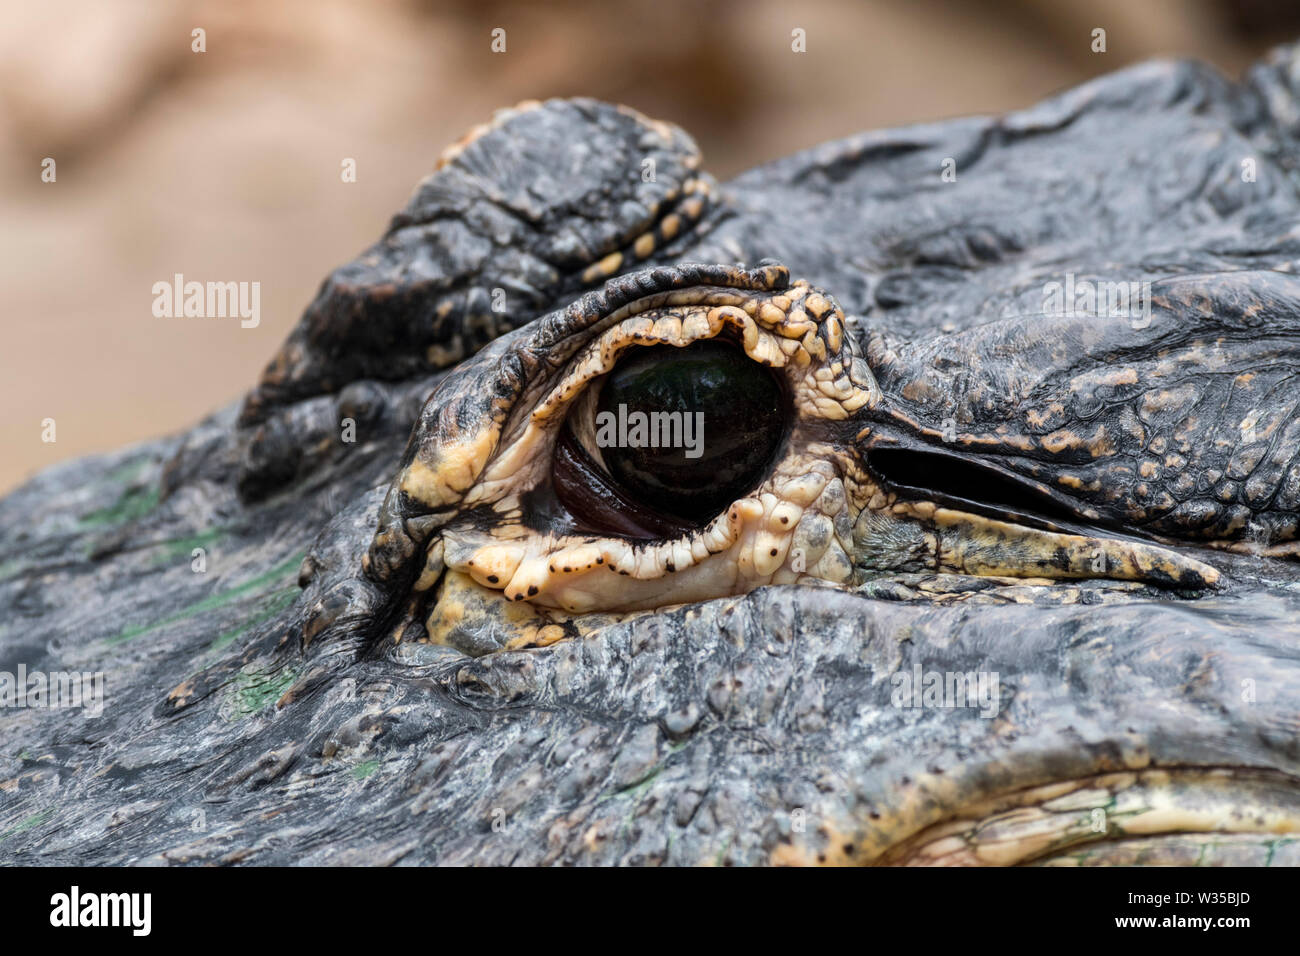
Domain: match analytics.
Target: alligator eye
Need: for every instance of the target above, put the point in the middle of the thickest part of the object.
(669, 438)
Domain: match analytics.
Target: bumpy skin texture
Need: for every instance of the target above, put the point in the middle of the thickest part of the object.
(522, 212)
(249, 722)
(1181, 424)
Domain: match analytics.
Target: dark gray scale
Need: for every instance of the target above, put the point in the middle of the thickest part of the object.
(550, 199)
(524, 208)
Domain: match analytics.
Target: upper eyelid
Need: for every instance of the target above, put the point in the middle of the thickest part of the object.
(807, 331)
(600, 356)
(549, 344)
(537, 425)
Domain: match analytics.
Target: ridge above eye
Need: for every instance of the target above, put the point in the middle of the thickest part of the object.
(679, 431)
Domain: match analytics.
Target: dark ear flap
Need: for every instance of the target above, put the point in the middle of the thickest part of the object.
(523, 212)
(1179, 417)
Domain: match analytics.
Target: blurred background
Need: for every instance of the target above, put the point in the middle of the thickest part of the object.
(225, 165)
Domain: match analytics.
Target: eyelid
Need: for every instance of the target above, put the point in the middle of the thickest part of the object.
(798, 329)
(589, 492)
(677, 328)
(691, 323)
(581, 422)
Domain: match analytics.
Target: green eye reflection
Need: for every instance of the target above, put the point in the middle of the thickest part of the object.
(684, 432)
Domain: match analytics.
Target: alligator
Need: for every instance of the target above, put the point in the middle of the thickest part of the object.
(987, 555)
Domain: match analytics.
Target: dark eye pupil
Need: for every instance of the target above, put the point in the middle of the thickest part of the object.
(687, 431)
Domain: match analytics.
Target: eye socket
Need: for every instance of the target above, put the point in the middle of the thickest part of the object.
(669, 438)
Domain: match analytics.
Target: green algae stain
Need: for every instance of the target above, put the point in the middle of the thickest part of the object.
(134, 503)
(254, 690)
(184, 547)
(214, 601)
(127, 471)
(638, 788)
(279, 601)
(365, 769)
(35, 820)
(1273, 846)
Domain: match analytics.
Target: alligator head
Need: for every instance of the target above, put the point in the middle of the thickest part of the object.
(1009, 589)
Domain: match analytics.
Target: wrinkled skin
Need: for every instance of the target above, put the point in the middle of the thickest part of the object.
(1147, 720)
